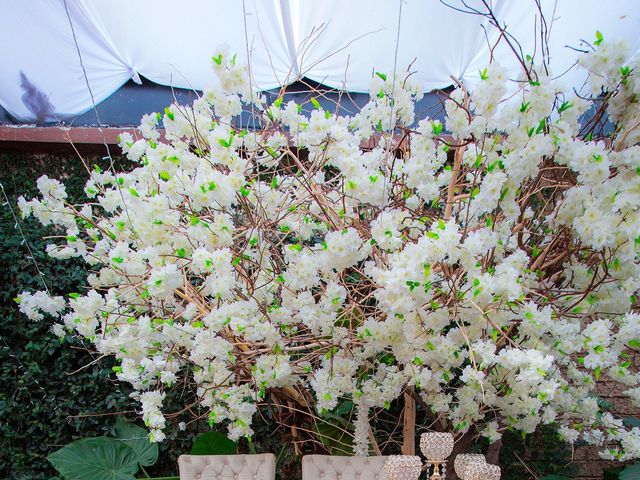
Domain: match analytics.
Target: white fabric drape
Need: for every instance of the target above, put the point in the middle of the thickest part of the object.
(336, 42)
(38, 55)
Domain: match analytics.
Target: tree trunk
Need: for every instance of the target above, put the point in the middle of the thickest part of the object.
(462, 445)
(409, 424)
(493, 452)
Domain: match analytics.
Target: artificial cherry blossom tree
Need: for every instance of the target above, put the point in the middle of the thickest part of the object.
(490, 265)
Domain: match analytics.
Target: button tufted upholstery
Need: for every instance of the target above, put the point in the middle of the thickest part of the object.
(227, 467)
(330, 467)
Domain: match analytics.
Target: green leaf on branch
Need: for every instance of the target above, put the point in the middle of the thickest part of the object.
(101, 458)
(565, 106)
(599, 38)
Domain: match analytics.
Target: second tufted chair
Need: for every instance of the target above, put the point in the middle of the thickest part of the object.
(227, 467)
(331, 467)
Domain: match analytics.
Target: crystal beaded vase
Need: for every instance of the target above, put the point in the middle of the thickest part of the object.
(403, 467)
(461, 461)
(436, 447)
(481, 471)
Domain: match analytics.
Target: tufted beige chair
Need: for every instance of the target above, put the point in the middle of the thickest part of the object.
(227, 467)
(330, 467)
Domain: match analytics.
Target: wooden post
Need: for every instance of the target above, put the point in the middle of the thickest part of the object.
(409, 425)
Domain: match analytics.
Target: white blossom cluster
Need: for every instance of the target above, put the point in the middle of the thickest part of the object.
(494, 270)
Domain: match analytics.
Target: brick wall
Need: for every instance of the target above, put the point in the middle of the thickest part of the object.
(590, 465)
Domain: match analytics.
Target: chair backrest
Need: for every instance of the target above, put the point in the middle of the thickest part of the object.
(331, 467)
(227, 467)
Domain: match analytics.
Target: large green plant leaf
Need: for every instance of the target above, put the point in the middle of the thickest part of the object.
(336, 440)
(632, 472)
(631, 422)
(101, 458)
(213, 443)
(138, 439)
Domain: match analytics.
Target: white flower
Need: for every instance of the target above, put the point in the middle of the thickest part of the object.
(164, 280)
(568, 434)
(273, 371)
(35, 305)
(491, 432)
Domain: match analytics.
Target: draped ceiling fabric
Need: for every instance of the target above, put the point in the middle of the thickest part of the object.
(335, 42)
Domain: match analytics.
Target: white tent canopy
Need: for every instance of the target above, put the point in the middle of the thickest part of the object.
(335, 42)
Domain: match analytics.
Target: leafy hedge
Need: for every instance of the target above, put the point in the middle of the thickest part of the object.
(542, 454)
(39, 400)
